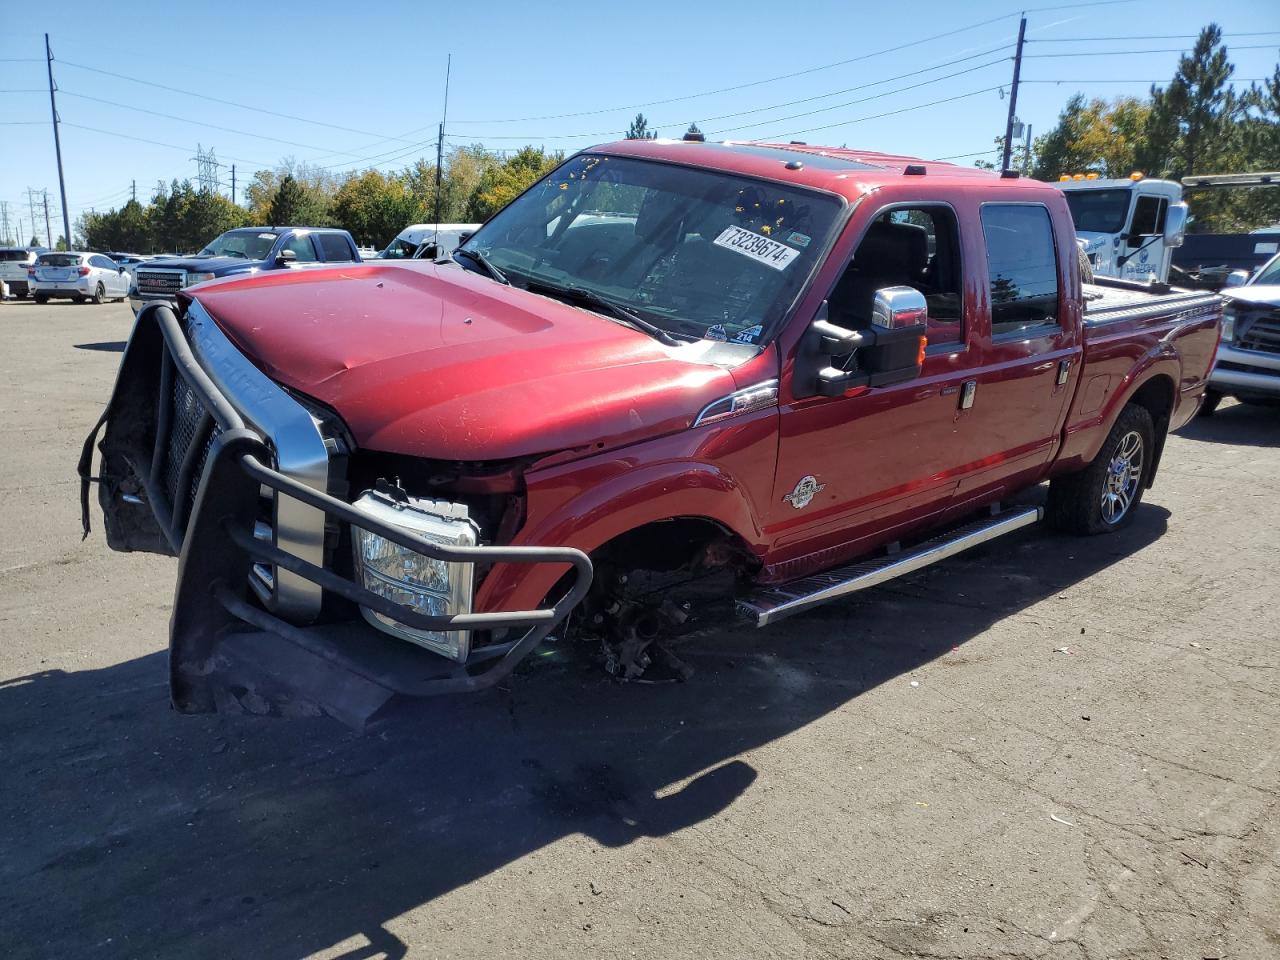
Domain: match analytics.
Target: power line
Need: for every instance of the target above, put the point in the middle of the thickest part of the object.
(155, 143)
(877, 116)
(1116, 53)
(229, 103)
(1161, 36)
(756, 83)
(1161, 80)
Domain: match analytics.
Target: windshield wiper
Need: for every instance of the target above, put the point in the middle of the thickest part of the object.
(483, 261)
(605, 305)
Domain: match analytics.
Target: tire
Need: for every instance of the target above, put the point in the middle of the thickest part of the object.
(1086, 268)
(1211, 400)
(99, 295)
(1103, 496)
(40, 298)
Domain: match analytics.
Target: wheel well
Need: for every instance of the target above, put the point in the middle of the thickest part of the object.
(1156, 397)
(671, 544)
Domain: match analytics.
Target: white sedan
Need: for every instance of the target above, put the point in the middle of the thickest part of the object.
(79, 276)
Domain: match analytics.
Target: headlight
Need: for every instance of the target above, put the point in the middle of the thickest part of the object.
(198, 278)
(423, 584)
(1228, 325)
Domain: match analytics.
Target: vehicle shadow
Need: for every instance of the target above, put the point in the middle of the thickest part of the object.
(133, 830)
(106, 346)
(1237, 423)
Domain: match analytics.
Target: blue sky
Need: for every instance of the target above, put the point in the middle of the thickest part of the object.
(370, 77)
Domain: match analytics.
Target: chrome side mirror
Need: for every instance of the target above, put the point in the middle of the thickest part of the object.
(898, 307)
(1175, 225)
(1237, 278)
(286, 257)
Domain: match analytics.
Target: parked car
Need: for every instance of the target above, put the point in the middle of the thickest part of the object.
(668, 379)
(129, 261)
(78, 277)
(427, 241)
(246, 250)
(14, 262)
(1248, 362)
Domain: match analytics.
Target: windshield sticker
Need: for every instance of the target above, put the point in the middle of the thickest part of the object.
(266, 236)
(749, 335)
(761, 249)
(716, 332)
(799, 239)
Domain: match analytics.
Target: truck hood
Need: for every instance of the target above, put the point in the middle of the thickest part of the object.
(434, 361)
(218, 265)
(1264, 294)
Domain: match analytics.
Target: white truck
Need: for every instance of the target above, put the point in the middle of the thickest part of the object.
(1127, 228)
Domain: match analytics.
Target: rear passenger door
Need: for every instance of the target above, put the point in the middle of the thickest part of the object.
(1030, 349)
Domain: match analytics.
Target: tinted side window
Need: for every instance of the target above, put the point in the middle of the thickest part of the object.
(333, 246)
(1022, 264)
(103, 262)
(1148, 216)
(302, 246)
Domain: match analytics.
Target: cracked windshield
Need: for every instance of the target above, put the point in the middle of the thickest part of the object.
(699, 255)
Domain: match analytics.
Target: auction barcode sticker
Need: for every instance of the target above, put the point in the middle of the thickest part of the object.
(769, 252)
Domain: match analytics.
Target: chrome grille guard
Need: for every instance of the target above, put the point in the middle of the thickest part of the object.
(227, 654)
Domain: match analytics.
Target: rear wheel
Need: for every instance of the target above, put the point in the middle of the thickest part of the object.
(40, 298)
(99, 294)
(1104, 495)
(1211, 400)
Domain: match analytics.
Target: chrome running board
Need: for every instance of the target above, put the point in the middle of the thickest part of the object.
(770, 604)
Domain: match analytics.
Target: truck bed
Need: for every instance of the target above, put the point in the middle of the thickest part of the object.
(1114, 300)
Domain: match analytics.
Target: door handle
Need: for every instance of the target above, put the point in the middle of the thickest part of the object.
(1064, 371)
(967, 391)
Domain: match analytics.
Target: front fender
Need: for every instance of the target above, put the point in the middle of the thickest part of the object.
(585, 505)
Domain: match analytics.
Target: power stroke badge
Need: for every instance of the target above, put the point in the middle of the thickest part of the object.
(804, 492)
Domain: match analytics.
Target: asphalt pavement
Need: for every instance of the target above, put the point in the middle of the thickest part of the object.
(1048, 747)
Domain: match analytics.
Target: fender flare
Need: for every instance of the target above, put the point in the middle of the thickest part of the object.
(628, 500)
(1161, 361)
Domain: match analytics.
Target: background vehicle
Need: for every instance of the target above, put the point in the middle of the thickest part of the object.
(741, 376)
(13, 267)
(427, 241)
(129, 261)
(245, 250)
(1129, 227)
(78, 276)
(1248, 362)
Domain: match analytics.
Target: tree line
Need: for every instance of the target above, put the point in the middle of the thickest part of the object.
(373, 205)
(1197, 124)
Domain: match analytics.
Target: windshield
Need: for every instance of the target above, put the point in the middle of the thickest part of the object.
(1270, 273)
(59, 260)
(399, 249)
(1099, 211)
(249, 244)
(698, 253)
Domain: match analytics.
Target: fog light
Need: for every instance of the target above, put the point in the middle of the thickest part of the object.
(420, 583)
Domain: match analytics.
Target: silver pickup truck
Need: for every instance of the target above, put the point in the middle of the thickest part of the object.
(1248, 364)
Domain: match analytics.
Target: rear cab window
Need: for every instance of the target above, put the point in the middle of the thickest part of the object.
(333, 247)
(1022, 267)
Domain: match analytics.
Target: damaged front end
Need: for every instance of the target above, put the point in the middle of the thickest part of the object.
(291, 600)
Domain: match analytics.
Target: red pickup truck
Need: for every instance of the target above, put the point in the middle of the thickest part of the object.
(669, 380)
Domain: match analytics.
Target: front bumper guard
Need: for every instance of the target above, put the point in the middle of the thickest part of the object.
(227, 653)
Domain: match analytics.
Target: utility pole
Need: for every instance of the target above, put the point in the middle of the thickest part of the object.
(31, 208)
(133, 192)
(233, 184)
(1013, 95)
(448, 69)
(4, 219)
(48, 232)
(57, 146)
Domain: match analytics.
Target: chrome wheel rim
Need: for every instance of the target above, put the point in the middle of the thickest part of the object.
(1124, 474)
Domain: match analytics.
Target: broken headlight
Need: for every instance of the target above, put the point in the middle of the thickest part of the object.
(423, 584)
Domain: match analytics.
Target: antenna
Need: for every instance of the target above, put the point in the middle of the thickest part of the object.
(448, 69)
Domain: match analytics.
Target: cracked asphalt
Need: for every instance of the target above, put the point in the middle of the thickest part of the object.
(1050, 748)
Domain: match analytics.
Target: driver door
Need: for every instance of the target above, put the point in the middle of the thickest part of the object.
(856, 470)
